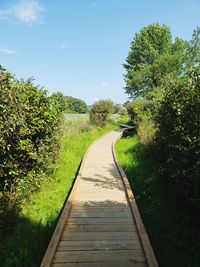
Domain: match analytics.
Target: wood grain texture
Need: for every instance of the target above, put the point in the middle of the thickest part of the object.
(99, 245)
(101, 227)
(102, 256)
(101, 264)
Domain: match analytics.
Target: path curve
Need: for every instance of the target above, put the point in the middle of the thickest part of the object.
(100, 225)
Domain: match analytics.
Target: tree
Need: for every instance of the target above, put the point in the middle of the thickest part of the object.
(152, 57)
(59, 100)
(75, 105)
(100, 111)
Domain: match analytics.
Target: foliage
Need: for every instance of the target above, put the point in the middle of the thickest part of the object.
(58, 99)
(28, 121)
(178, 136)
(100, 112)
(193, 50)
(75, 105)
(40, 213)
(171, 230)
(164, 76)
(152, 57)
(141, 114)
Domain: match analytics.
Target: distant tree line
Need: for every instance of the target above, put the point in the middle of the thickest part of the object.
(69, 104)
(163, 82)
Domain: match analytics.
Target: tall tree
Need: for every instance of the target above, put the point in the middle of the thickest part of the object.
(153, 56)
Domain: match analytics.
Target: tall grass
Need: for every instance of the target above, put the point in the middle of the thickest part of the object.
(24, 245)
(174, 237)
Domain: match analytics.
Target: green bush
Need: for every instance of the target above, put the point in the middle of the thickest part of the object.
(178, 137)
(141, 114)
(100, 112)
(28, 121)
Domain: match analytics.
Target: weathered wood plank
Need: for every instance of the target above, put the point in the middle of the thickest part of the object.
(101, 256)
(101, 227)
(100, 214)
(68, 235)
(100, 220)
(102, 207)
(99, 245)
(101, 264)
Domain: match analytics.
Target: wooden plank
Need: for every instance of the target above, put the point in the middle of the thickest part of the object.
(101, 227)
(102, 208)
(100, 220)
(101, 256)
(101, 264)
(67, 235)
(100, 214)
(148, 250)
(99, 245)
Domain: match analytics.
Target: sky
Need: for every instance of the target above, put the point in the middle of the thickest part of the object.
(78, 47)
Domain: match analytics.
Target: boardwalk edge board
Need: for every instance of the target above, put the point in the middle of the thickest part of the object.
(53, 244)
(148, 250)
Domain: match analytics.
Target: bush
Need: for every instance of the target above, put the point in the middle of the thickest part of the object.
(28, 121)
(141, 115)
(178, 137)
(100, 111)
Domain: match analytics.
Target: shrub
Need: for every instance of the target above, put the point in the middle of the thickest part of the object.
(28, 121)
(178, 136)
(100, 111)
(140, 112)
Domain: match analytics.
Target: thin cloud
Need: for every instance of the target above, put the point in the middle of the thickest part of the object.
(105, 83)
(7, 51)
(27, 11)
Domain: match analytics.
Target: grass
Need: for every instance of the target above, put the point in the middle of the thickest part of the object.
(24, 245)
(173, 235)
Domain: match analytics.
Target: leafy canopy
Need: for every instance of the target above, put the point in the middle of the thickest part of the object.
(75, 105)
(152, 57)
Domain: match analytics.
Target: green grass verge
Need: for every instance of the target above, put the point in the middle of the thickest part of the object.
(175, 239)
(25, 244)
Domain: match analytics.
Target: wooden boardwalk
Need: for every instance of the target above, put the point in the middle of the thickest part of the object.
(100, 225)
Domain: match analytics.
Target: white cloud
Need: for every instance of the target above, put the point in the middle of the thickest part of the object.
(105, 83)
(7, 51)
(27, 11)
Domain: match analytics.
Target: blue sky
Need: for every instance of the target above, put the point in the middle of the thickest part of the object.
(78, 46)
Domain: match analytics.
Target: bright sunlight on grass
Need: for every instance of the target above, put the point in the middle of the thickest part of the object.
(174, 238)
(28, 241)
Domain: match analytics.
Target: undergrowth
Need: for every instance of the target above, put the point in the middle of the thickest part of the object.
(25, 243)
(172, 232)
